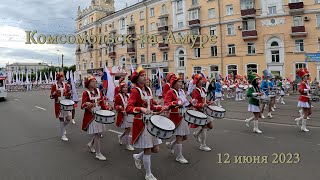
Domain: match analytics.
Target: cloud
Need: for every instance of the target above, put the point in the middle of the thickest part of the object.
(47, 17)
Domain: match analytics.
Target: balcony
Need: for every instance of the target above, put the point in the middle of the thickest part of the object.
(163, 46)
(131, 50)
(298, 31)
(248, 12)
(131, 25)
(112, 54)
(163, 29)
(249, 35)
(195, 22)
(296, 8)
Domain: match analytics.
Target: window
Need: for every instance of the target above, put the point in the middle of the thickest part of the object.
(275, 54)
(179, 5)
(247, 4)
(318, 44)
(106, 51)
(232, 69)
(231, 49)
(141, 29)
(300, 65)
(230, 29)
(295, 1)
(131, 18)
(153, 26)
(251, 48)
(79, 66)
(214, 51)
(195, 31)
(274, 44)
(100, 52)
(165, 56)
(194, 14)
(252, 67)
(151, 12)
(249, 25)
(211, 13)
(297, 21)
(141, 45)
(299, 45)
(272, 10)
(142, 59)
(90, 54)
(194, 2)
(318, 18)
(164, 9)
(153, 57)
(318, 1)
(197, 52)
(163, 22)
(229, 10)
(165, 72)
(92, 19)
(180, 24)
(141, 15)
(106, 27)
(100, 30)
(181, 58)
(84, 65)
(91, 65)
(122, 23)
(197, 70)
(114, 62)
(100, 63)
(213, 30)
(133, 60)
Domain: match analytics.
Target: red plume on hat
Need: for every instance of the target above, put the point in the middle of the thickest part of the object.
(174, 79)
(59, 75)
(197, 78)
(88, 80)
(169, 76)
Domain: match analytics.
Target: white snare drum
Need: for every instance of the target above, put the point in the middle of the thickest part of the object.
(224, 87)
(314, 98)
(265, 99)
(232, 86)
(66, 105)
(215, 111)
(245, 87)
(130, 118)
(160, 127)
(104, 116)
(272, 94)
(241, 86)
(196, 117)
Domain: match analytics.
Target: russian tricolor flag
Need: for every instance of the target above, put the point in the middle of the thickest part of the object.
(107, 82)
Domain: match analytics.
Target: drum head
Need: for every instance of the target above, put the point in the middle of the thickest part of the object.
(67, 102)
(197, 114)
(105, 113)
(216, 108)
(162, 122)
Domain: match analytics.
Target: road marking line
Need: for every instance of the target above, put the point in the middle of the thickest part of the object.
(269, 137)
(117, 132)
(16, 99)
(273, 123)
(40, 108)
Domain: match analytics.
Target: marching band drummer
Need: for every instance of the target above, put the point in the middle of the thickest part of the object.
(60, 91)
(254, 104)
(272, 99)
(265, 88)
(167, 87)
(177, 105)
(92, 100)
(280, 86)
(199, 96)
(140, 104)
(123, 121)
(70, 97)
(304, 100)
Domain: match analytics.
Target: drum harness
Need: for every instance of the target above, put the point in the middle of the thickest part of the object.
(95, 99)
(145, 97)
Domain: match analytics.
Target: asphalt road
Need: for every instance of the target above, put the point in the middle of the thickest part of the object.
(30, 146)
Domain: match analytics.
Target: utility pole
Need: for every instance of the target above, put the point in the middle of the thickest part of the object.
(62, 61)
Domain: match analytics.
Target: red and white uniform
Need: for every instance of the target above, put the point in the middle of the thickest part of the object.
(120, 104)
(62, 93)
(139, 98)
(175, 104)
(303, 98)
(88, 122)
(166, 88)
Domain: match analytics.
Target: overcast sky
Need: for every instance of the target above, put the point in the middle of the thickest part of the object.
(47, 17)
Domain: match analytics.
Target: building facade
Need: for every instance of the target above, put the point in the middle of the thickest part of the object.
(25, 67)
(251, 35)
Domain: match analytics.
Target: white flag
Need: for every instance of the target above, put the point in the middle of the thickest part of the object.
(46, 78)
(9, 77)
(75, 97)
(36, 76)
(51, 77)
(17, 77)
(55, 76)
(67, 76)
(160, 76)
(110, 92)
(27, 77)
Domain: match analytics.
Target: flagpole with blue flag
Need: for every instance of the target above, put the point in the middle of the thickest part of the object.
(160, 82)
(107, 82)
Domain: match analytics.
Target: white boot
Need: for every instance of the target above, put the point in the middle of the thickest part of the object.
(262, 116)
(247, 121)
(282, 102)
(300, 112)
(272, 109)
(256, 128)
(304, 124)
(237, 97)
(269, 115)
(73, 122)
(297, 120)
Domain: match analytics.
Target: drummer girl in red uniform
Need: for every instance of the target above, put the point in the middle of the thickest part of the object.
(123, 121)
(60, 91)
(167, 86)
(92, 99)
(199, 96)
(140, 104)
(176, 105)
